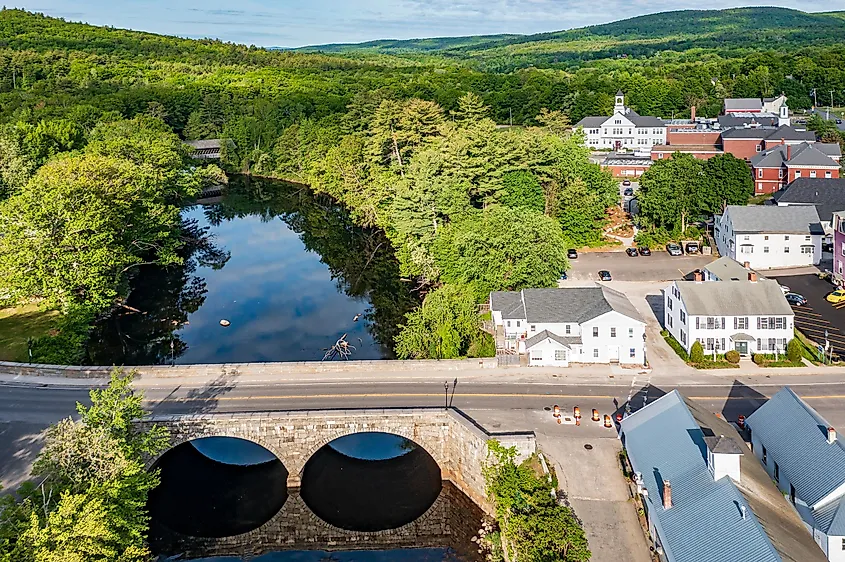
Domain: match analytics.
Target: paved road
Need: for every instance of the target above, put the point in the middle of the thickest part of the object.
(818, 316)
(659, 266)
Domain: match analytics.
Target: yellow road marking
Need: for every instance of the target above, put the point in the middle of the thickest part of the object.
(465, 395)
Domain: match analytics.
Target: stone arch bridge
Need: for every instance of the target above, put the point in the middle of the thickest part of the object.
(455, 441)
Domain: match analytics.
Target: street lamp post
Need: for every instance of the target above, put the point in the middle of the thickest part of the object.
(645, 359)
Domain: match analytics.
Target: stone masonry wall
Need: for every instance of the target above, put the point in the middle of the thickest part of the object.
(454, 440)
(213, 370)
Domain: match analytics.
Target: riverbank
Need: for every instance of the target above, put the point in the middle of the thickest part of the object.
(20, 324)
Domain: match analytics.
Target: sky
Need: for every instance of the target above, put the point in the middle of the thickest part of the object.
(295, 23)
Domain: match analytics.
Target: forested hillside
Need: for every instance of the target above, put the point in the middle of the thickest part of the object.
(407, 143)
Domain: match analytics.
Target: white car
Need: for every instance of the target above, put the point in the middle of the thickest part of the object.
(785, 289)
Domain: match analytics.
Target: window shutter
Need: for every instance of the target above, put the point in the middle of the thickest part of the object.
(758, 327)
(736, 322)
(723, 322)
(697, 323)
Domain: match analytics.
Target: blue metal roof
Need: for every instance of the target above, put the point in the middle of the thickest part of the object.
(705, 523)
(830, 518)
(795, 436)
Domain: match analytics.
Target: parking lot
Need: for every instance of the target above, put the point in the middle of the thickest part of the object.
(818, 316)
(659, 266)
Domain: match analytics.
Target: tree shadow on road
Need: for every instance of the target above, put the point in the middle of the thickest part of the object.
(200, 400)
(20, 444)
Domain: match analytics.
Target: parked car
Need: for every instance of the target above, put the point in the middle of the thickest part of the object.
(795, 299)
(692, 248)
(836, 296)
(572, 254)
(626, 183)
(632, 252)
(785, 289)
(604, 275)
(629, 192)
(564, 276)
(644, 251)
(674, 249)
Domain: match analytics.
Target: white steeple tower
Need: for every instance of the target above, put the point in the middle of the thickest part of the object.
(783, 117)
(619, 106)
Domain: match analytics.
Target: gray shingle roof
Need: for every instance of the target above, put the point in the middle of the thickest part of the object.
(787, 132)
(747, 133)
(808, 155)
(705, 523)
(831, 149)
(728, 269)
(796, 437)
(723, 445)
(575, 304)
(793, 219)
(563, 340)
(591, 122)
(826, 194)
(730, 298)
(644, 120)
(738, 104)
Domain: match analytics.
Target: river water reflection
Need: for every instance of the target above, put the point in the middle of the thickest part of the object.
(287, 269)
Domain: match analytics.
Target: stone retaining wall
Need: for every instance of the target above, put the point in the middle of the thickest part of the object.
(213, 370)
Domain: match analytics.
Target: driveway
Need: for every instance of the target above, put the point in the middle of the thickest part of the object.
(659, 266)
(818, 316)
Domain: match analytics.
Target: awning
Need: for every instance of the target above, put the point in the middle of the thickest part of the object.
(739, 336)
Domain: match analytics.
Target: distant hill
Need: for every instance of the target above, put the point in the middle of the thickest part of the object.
(721, 30)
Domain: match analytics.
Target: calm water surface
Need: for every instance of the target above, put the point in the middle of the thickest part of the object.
(287, 269)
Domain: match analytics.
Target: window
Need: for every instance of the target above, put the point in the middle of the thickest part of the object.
(777, 473)
(786, 237)
(710, 322)
(843, 540)
(786, 249)
(797, 173)
(746, 249)
(630, 332)
(780, 174)
(537, 355)
(812, 173)
(765, 237)
(683, 317)
(633, 352)
(806, 238)
(660, 156)
(765, 457)
(759, 148)
(595, 332)
(779, 323)
(517, 323)
(613, 332)
(595, 353)
(741, 323)
(827, 174)
(807, 249)
(560, 355)
(509, 323)
(765, 249)
(709, 345)
(760, 173)
(670, 322)
(683, 337)
(746, 237)
(669, 302)
(533, 328)
(568, 329)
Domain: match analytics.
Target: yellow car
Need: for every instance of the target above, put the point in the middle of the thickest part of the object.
(836, 296)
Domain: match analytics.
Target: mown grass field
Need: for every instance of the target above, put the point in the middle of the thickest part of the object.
(19, 324)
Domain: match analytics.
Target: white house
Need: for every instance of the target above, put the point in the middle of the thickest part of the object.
(705, 496)
(555, 327)
(624, 129)
(803, 455)
(749, 317)
(728, 269)
(768, 236)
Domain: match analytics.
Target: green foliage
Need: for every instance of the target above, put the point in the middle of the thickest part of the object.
(446, 326)
(758, 358)
(727, 181)
(676, 346)
(696, 352)
(732, 356)
(671, 192)
(65, 344)
(794, 350)
(535, 526)
(502, 249)
(522, 189)
(90, 500)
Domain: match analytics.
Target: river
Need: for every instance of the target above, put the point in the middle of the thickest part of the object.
(287, 269)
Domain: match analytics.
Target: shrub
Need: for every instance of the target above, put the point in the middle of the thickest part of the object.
(758, 358)
(794, 350)
(696, 353)
(732, 356)
(673, 343)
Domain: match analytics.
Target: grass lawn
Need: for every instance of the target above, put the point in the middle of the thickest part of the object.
(19, 324)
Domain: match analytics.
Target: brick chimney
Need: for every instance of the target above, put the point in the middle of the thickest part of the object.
(788, 152)
(697, 276)
(667, 494)
(746, 265)
(831, 435)
(752, 276)
(692, 113)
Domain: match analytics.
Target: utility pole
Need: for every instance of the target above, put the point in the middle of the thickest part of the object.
(815, 99)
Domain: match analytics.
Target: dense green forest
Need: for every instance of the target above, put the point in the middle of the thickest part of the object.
(407, 137)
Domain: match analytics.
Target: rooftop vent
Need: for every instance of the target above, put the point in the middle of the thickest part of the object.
(667, 494)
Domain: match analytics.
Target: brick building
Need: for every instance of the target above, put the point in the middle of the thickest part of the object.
(776, 167)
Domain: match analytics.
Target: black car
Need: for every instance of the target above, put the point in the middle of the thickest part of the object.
(572, 254)
(644, 251)
(632, 252)
(626, 183)
(795, 299)
(629, 192)
(604, 275)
